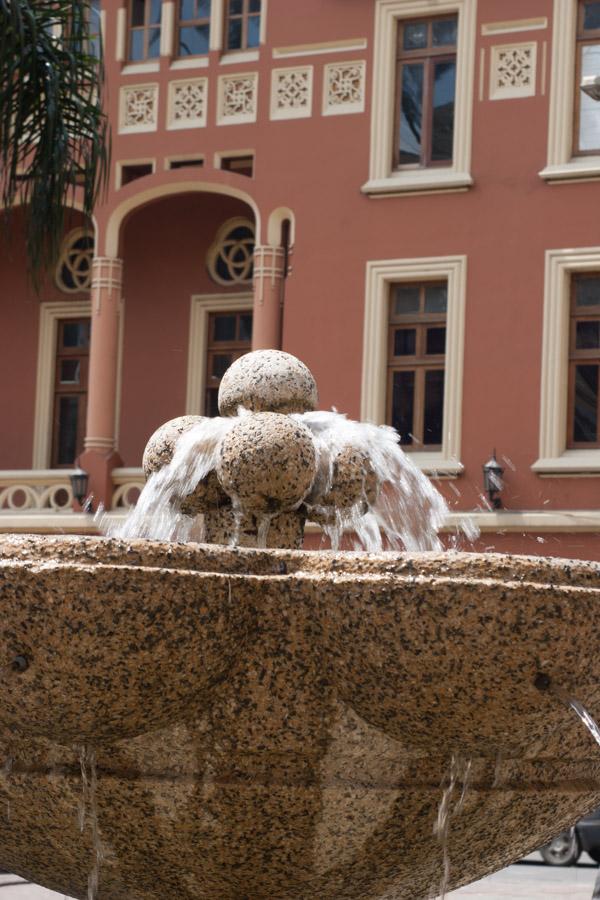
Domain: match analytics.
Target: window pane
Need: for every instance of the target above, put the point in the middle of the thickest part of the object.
(246, 327)
(188, 9)
(434, 407)
(405, 342)
(406, 299)
(76, 334)
(415, 36)
(589, 121)
(591, 16)
(587, 291)
(436, 298)
(224, 328)
(68, 414)
(253, 31)
(235, 7)
(221, 363)
(436, 341)
(411, 113)
(155, 8)
(137, 12)
(193, 41)
(153, 43)
(234, 34)
(212, 402)
(136, 45)
(254, 6)
(444, 33)
(203, 9)
(588, 336)
(443, 110)
(585, 424)
(69, 371)
(403, 396)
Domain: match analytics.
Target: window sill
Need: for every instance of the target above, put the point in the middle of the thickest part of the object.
(572, 463)
(138, 68)
(586, 168)
(421, 180)
(232, 57)
(190, 62)
(436, 464)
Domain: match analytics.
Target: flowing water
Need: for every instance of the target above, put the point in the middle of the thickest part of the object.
(88, 813)
(458, 774)
(584, 716)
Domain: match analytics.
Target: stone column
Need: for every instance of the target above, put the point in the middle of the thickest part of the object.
(100, 456)
(269, 277)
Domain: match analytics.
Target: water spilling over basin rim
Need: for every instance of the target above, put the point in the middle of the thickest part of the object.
(277, 724)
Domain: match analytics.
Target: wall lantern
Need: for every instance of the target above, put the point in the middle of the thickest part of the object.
(590, 85)
(79, 485)
(492, 481)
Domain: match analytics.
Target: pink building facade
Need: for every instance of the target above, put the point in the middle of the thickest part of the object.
(403, 193)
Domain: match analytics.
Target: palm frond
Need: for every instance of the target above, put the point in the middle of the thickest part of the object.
(54, 135)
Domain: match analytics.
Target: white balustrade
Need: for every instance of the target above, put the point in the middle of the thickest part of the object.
(30, 490)
(128, 484)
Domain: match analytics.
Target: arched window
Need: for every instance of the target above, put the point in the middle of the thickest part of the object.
(230, 258)
(74, 267)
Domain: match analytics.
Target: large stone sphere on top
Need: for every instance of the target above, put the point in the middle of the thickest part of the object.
(267, 381)
(267, 463)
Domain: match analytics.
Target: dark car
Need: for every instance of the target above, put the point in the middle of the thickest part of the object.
(566, 847)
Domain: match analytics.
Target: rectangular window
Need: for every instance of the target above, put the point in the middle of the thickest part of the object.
(425, 92)
(229, 337)
(70, 390)
(144, 29)
(242, 24)
(416, 363)
(194, 27)
(584, 362)
(242, 165)
(587, 110)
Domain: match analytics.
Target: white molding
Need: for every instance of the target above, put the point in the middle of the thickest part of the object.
(167, 28)
(300, 112)
(318, 49)
(217, 25)
(536, 520)
(514, 26)
(233, 57)
(499, 91)
(379, 275)
(122, 163)
(141, 67)
(583, 168)
(562, 88)
(190, 62)
(200, 308)
(387, 14)
(553, 453)
(121, 35)
(421, 180)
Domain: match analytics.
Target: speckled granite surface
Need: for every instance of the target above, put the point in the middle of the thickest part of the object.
(278, 724)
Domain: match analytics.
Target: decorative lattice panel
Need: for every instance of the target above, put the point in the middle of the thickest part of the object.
(513, 71)
(187, 103)
(138, 108)
(291, 93)
(238, 98)
(344, 88)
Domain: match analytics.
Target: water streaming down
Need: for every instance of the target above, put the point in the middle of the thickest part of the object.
(458, 773)
(584, 716)
(88, 812)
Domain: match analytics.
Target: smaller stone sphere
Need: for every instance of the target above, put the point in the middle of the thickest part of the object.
(159, 452)
(267, 463)
(267, 381)
(353, 482)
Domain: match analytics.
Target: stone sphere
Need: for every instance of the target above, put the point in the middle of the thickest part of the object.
(159, 451)
(353, 482)
(267, 381)
(267, 463)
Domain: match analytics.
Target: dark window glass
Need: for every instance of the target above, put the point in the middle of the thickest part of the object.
(585, 425)
(434, 406)
(185, 163)
(155, 12)
(587, 335)
(591, 16)
(138, 8)
(212, 402)
(246, 327)
(221, 363)
(236, 7)
(444, 32)
(76, 334)
(136, 45)
(69, 371)
(436, 298)
(234, 34)
(403, 405)
(253, 31)
(587, 291)
(68, 409)
(415, 35)
(436, 341)
(225, 328)
(254, 6)
(443, 110)
(411, 113)
(193, 40)
(406, 300)
(405, 342)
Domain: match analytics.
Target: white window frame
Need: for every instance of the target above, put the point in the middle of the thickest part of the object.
(380, 274)
(382, 178)
(202, 305)
(50, 313)
(554, 457)
(561, 165)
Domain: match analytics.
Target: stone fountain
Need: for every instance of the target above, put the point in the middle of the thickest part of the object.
(184, 720)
